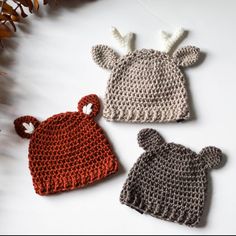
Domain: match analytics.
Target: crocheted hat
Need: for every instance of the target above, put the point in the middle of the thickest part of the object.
(68, 150)
(146, 85)
(169, 181)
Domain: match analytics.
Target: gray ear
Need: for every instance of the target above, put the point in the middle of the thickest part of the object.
(186, 56)
(104, 56)
(148, 138)
(212, 156)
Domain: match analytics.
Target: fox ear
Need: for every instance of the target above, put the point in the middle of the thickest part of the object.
(148, 138)
(25, 126)
(104, 56)
(212, 156)
(186, 56)
(89, 105)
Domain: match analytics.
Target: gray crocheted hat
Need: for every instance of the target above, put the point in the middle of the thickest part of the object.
(146, 85)
(169, 181)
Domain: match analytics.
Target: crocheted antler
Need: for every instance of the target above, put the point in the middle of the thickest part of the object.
(125, 41)
(169, 41)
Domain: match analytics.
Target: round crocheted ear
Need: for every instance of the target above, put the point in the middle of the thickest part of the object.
(25, 126)
(148, 138)
(104, 56)
(89, 105)
(186, 56)
(212, 156)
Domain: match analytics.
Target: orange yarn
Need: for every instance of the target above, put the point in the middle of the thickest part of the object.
(68, 150)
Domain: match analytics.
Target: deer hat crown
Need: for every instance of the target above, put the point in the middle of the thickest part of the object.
(146, 85)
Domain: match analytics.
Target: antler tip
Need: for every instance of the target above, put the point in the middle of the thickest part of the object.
(125, 41)
(169, 40)
(113, 28)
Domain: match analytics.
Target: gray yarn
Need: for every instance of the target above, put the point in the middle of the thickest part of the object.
(146, 85)
(169, 181)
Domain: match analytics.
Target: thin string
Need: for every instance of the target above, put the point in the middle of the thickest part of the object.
(145, 7)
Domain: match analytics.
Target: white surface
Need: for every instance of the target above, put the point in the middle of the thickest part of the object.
(51, 69)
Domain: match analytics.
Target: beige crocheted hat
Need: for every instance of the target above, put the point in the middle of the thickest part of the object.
(146, 85)
(169, 181)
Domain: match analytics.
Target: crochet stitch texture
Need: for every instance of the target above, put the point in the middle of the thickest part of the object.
(68, 150)
(169, 181)
(146, 85)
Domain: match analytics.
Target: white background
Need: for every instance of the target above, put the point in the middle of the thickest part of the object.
(50, 68)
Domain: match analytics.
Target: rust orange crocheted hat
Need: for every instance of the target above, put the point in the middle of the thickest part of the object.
(68, 150)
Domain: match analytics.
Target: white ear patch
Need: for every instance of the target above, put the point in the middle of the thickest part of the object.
(88, 109)
(29, 128)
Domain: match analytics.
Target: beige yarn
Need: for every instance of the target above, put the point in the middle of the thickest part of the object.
(146, 85)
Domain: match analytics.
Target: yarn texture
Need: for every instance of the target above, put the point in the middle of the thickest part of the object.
(146, 85)
(68, 150)
(169, 181)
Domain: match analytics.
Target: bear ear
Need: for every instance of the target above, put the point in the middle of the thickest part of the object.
(186, 56)
(25, 126)
(212, 156)
(148, 138)
(104, 56)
